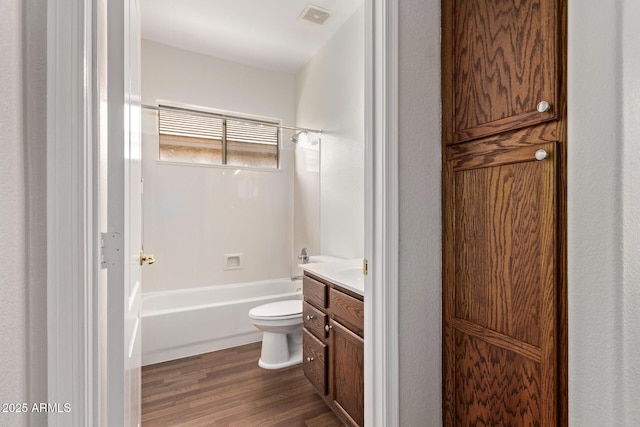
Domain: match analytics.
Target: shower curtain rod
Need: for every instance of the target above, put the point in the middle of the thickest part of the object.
(224, 116)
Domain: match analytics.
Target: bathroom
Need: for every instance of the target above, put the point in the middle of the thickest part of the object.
(223, 233)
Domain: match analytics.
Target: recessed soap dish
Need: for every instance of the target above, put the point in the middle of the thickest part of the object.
(232, 262)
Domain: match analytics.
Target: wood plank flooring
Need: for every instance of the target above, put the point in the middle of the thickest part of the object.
(227, 388)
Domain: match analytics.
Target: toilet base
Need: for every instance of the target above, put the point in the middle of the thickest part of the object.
(295, 359)
(280, 350)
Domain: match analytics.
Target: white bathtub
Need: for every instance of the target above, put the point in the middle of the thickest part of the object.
(186, 322)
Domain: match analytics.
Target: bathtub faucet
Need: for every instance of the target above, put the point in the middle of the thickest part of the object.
(294, 278)
(304, 256)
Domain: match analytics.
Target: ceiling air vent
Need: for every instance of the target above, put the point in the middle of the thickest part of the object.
(314, 14)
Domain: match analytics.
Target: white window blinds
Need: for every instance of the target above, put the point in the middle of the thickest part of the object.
(190, 125)
(207, 138)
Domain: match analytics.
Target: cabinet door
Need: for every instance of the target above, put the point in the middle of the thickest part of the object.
(347, 310)
(347, 373)
(500, 60)
(314, 356)
(500, 289)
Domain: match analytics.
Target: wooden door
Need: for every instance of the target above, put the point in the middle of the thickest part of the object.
(504, 213)
(500, 294)
(500, 60)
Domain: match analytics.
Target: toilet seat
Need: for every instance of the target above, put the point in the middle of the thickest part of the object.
(280, 310)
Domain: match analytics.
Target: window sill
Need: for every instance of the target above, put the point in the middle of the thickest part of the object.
(207, 165)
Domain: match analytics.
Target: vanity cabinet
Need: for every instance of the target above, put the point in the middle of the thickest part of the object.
(333, 346)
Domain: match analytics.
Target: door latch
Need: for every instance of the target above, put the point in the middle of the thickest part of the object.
(148, 258)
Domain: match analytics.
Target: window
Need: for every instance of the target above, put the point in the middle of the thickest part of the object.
(201, 137)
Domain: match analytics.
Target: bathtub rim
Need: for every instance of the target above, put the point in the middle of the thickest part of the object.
(158, 349)
(159, 294)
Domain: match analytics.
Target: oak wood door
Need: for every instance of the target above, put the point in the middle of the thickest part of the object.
(500, 60)
(501, 289)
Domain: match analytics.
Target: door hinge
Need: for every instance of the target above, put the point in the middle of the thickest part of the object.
(111, 249)
(365, 266)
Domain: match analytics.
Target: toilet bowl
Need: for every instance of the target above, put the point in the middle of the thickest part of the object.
(281, 324)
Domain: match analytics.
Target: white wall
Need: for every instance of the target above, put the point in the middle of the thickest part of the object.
(330, 96)
(631, 211)
(23, 331)
(603, 211)
(13, 327)
(35, 137)
(419, 288)
(195, 214)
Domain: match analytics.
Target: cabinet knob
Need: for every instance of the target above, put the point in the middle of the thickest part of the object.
(327, 327)
(309, 359)
(543, 106)
(309, 317)
(541, 155)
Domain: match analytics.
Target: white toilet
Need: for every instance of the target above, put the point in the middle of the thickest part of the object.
(281, 323)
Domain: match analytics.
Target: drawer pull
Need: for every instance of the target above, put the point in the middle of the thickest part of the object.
(543, 106)
(541, 155)
(327, 327)
(309, 317)
(309, 359)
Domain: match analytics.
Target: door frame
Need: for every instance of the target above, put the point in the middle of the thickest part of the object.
(73, 232)
(381, 395)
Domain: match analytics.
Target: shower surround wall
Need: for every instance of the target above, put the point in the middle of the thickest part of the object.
(193, 215)
(330, 96)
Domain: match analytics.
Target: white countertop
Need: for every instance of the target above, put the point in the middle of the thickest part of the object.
(345, 273)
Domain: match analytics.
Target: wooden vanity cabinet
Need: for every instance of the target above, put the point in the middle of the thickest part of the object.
(333, 346)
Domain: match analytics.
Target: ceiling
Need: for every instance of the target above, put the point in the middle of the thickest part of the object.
(260, 33)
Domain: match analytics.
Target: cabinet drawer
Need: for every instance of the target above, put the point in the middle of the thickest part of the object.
(314, 320)
(314, 356)
(314, 292)
(347, 310)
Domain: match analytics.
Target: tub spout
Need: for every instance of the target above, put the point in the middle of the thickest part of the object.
(304, 256)
(294, 278)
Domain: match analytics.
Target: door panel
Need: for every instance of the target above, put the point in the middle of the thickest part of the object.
(133, 212)
(347, 355)
(498, 249)
(314, 359)
(124, 210)
(500, 61)
(500, 288)
(494, 386)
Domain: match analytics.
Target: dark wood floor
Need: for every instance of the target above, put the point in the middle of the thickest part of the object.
(227, 388)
